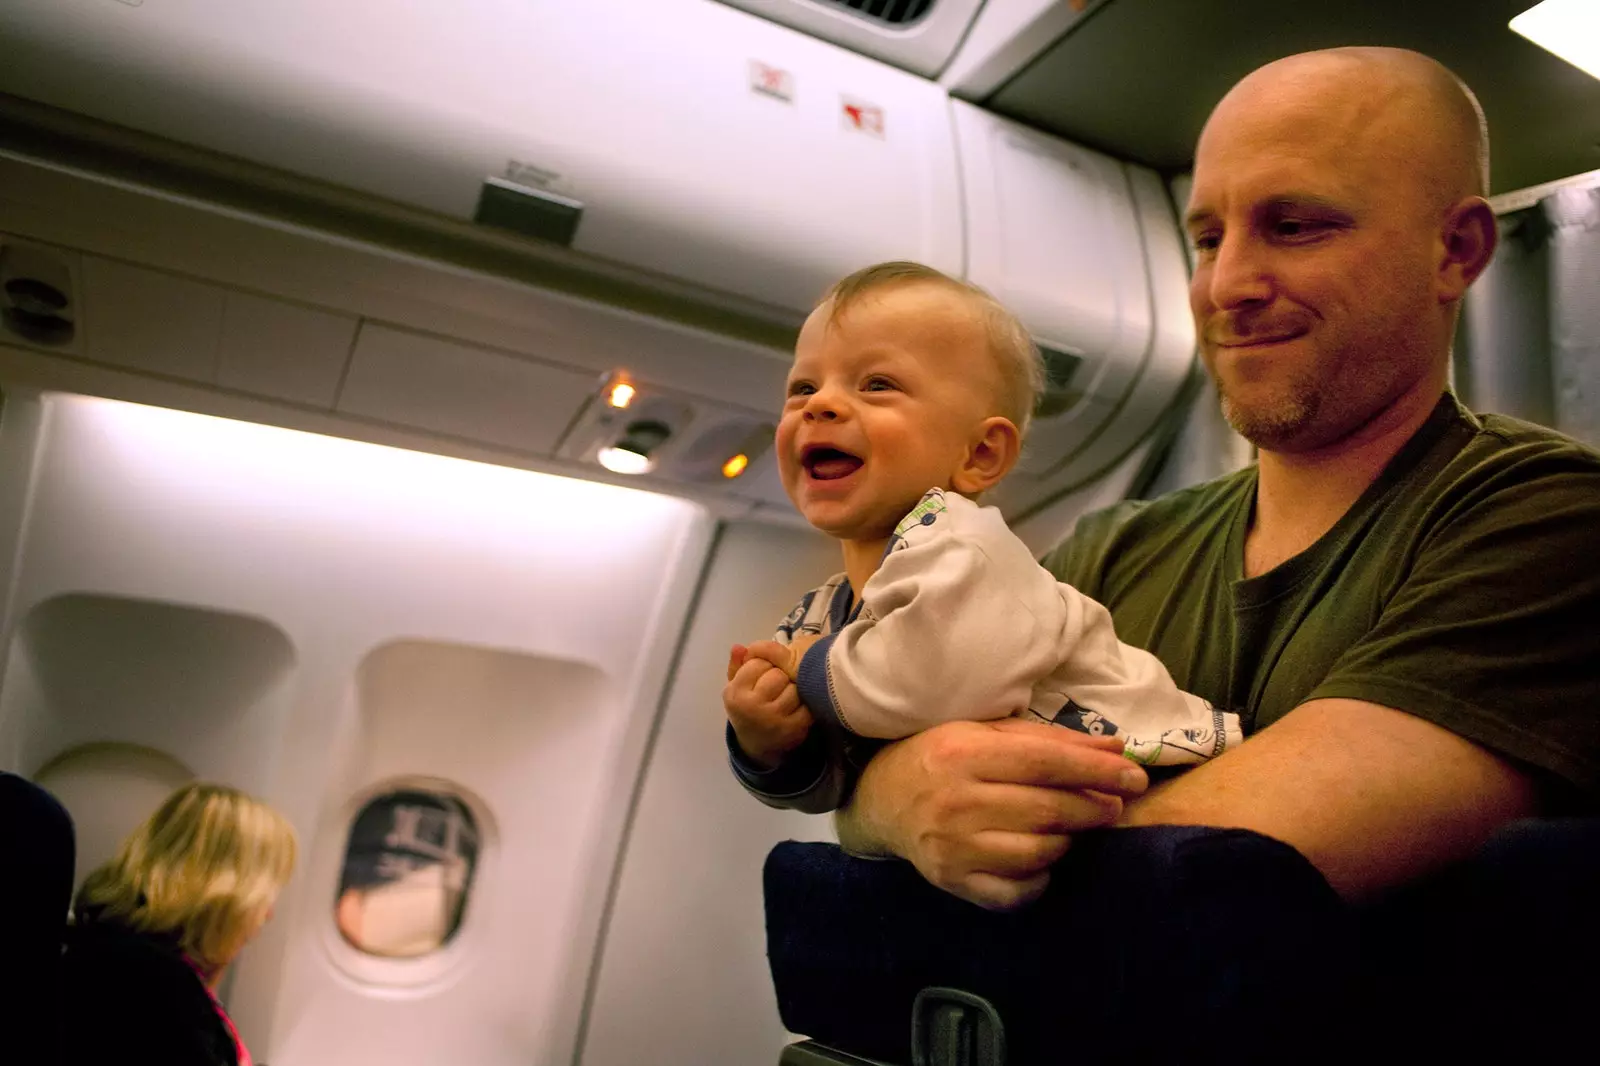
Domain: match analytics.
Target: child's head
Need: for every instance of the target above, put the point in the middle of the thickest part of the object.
(904, 379)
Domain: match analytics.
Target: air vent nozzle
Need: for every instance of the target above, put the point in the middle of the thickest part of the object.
(899, 13)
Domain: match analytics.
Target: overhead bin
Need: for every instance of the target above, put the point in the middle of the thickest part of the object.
(1085, 249)
(677, 137)
(688, 146)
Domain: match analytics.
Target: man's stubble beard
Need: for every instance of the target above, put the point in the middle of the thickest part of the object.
(1270, 425)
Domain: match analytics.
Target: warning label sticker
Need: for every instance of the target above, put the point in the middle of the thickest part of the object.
(771, 81)
(862, 117)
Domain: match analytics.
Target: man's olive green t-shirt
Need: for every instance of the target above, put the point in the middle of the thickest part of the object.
(1463, 587)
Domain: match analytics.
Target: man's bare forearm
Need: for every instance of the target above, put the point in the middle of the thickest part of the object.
(1372, 796)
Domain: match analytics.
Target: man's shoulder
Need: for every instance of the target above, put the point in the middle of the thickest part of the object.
(1503, 435)
(1173, 511)
(1505, 459)
(1130, 532)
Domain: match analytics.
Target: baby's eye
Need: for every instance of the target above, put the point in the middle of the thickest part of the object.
(876, 384)
(801, 388)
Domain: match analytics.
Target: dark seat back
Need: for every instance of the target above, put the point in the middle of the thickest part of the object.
(36, 867)
(1183, 945)
(1166, 944)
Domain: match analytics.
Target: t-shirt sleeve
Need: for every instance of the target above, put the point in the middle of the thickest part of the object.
(1494, 632)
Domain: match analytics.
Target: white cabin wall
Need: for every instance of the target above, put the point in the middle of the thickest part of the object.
(174, 542)
(1049, 525)
(683, 975)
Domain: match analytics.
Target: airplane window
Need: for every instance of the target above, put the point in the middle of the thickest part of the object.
(407, 873)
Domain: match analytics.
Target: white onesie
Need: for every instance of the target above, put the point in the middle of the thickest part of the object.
(960, 622)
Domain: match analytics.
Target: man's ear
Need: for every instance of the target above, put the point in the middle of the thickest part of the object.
(1470, 235)
(990, 458)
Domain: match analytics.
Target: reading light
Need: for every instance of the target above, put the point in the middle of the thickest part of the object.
(631, 454)
(620, 460)
(621, 394)
(1568, 28)
(735, 466)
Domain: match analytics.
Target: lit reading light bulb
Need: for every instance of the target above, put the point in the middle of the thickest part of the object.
(622, 394)
(735, 466)
(621, 460)
(631, 454)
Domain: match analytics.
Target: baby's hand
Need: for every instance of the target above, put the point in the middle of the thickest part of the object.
(763, 705)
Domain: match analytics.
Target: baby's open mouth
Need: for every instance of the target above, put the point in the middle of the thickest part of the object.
(829, 464)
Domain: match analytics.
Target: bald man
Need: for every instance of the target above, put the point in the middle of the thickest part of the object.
(1400, 598)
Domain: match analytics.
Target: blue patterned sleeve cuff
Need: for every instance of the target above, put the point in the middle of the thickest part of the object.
(812, 681)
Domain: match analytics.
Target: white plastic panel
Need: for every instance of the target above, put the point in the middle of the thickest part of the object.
(283, 350)
(688, 901)
(645, 112)
(503, 729)
(80, 671)
(535, 619)
(431, 383)
(109, 789)
(1054, 235)
(151, 321)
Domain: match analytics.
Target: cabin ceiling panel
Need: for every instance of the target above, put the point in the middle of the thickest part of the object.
(1137, 78)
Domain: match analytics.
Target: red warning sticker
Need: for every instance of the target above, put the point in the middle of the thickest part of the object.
(771, 81)
(861, 116)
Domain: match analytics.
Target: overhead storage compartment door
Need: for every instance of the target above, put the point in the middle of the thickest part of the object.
(1078, 245)
(686, 139)
(1053, 234)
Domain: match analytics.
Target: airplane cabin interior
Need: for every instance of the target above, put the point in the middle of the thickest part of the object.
(389, 398)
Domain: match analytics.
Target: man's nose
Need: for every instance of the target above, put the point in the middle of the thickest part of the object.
(1238, 275)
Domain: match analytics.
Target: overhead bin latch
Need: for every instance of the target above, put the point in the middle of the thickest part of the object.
(532, 212)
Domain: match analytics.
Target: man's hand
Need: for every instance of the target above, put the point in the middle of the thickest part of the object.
(763, 704)
(983, 809)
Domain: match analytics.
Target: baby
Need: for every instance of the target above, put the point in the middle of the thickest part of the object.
(908, 399)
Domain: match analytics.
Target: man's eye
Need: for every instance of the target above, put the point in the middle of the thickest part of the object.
(1207, 242)
(1297, 227)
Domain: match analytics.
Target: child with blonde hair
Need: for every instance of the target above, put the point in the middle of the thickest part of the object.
(908, 399)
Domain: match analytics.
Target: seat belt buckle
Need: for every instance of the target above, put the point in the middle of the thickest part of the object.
(950, 1027)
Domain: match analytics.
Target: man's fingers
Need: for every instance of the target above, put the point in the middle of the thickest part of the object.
(1034, 810)
(1029, 753)
(1016, 855)
(995, 893)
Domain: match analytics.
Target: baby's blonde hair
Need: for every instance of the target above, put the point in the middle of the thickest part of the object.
(1021, 367)
(203, 869)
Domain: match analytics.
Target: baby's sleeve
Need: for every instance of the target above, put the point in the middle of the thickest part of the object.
(818, 776)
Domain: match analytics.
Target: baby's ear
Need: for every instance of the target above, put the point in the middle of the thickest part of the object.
(990, 458)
